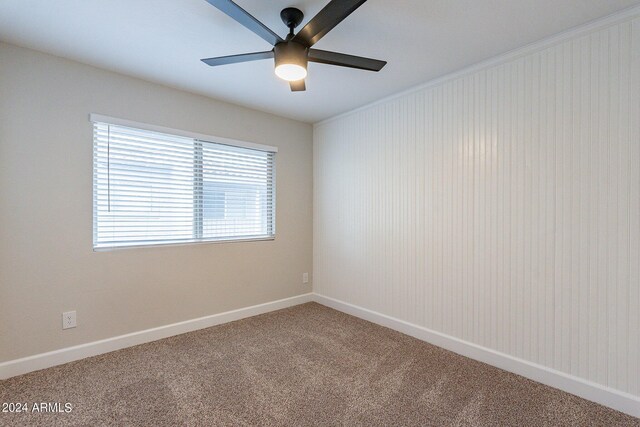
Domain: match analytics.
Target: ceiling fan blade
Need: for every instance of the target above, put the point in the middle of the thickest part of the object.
(332, 14)
(298, 86)
(233, 59)
(244, 18)
(344, 60)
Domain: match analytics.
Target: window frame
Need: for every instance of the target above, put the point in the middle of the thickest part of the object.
(199, 139)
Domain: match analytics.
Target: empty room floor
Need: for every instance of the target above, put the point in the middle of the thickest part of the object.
(306, 365)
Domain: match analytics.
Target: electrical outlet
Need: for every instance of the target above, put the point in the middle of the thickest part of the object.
(305, 277)
(68, 319)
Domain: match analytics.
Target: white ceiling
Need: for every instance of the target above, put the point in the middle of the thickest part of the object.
(163, 41)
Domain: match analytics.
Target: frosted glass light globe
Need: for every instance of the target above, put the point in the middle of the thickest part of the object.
(291, 72)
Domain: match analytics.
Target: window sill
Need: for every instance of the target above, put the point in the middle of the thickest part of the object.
(182, 243)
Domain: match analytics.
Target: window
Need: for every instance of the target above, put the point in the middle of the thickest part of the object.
(155, 187)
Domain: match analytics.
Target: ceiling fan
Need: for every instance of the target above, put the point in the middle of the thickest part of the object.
(293, 53)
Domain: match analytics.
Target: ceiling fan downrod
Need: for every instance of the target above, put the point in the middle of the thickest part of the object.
(292, 17)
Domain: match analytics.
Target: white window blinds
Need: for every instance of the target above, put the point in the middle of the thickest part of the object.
(154, 188)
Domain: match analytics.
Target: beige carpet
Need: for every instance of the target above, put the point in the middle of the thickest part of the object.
(307, 365)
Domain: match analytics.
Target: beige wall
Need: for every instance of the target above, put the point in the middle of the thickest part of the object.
(47, 265)
(500, 206)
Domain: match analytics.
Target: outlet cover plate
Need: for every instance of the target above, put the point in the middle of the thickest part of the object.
(68, 319)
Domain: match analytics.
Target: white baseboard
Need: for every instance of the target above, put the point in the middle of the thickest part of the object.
(612, 398)
(69, 354)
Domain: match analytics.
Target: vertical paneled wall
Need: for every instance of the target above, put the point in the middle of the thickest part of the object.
(501, 207)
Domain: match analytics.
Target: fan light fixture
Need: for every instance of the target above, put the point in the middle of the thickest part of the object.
(291, 72)
(291, 61)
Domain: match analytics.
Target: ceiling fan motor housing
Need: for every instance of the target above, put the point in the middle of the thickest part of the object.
(291, 53)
